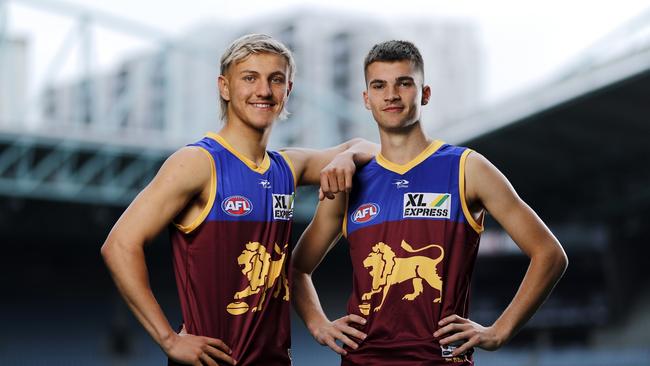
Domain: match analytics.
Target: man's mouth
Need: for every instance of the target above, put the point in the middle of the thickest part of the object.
(393, 108)
(264, 105)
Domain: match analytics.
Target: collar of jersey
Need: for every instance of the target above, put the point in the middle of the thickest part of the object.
(261, 169)
(403, 168)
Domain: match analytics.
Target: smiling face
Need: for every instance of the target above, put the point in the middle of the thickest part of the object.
(394, 93)
(256, 90)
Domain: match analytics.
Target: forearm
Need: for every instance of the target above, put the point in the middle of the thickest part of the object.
(129, 271)
(306, 302)
(544, 271)
(361, 150)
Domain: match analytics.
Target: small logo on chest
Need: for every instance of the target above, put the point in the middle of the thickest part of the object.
(265, 183)
(429, 205)
(401, 183)
(237, 206)
(283, 206)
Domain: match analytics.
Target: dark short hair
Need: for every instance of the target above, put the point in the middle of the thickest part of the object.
(391, 51)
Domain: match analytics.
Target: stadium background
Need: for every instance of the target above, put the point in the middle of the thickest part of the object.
(73, 154)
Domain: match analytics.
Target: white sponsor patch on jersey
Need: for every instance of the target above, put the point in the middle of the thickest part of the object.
(282, 206)
(427, 205)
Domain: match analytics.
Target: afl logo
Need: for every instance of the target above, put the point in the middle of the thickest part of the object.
(365, 213)
(237, 206)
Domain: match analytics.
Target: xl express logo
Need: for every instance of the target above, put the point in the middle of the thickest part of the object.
(365, 213)
(237, 206)
(283, 206)
(428, 205)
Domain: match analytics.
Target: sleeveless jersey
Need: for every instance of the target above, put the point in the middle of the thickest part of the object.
(231, 262)
(413, 244)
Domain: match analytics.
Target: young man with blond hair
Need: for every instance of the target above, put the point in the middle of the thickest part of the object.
(231, 204)
(413, 221)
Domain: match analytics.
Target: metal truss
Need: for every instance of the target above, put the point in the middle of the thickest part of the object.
(75, 171)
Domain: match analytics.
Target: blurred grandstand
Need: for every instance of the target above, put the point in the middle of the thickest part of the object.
(574, 148)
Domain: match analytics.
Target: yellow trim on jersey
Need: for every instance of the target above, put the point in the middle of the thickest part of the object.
(213, 193)
(344, 228)
(293, 170)
(461, 188)
(262, 168)
(403, 168)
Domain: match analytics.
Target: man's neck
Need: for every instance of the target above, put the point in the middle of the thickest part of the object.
(248, 141)
(403, 145)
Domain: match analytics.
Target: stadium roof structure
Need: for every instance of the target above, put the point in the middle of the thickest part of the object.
(578, 147)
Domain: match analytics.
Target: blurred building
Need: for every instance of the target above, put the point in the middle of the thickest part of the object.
(173, 91)
(13, 80)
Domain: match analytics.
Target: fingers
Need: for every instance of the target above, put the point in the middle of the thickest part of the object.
(451, 319)
(207, 360)
(325, 185)
(340, 179)
(217, 349)
(321, 195)
(348, 330)
(218, 343)
(348, 181)
(449, 328)
(466, 346)
(343, 325)
(335, 180)
(354, 318)
(215, 354)
(335, 347)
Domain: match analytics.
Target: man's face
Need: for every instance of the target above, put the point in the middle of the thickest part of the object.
(256, 89)
(394, 93)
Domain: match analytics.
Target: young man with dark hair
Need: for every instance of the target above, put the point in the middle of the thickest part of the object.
(231, 204)
(413, 221)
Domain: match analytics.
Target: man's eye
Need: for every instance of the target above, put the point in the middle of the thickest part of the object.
(249, 78)
(277, 80)
(406, 83)
(377, 86)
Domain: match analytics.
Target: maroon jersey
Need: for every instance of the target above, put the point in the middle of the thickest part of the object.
(413, 244)
(231, 263)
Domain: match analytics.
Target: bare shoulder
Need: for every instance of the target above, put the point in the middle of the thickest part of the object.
(189, 168)
(484, 180)
(298, 157)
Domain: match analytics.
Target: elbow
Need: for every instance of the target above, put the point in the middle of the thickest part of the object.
(106, 249)
(111, 249)
(560, 261)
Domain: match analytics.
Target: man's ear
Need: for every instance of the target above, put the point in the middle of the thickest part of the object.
(426, 94)
(365, 99)
(224, 89)
(289, 88)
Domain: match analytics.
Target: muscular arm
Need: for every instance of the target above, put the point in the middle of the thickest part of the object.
(182, 177)
(319, 237)
(487, 188)
(333, 167)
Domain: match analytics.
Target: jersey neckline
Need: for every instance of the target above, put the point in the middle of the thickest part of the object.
(403, 168)
(261, 169)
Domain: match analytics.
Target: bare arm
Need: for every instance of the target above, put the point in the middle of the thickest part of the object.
(487, 188)
(182, 177)
(319, 237)
(333, 167)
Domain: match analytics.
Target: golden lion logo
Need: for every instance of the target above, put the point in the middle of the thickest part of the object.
(386, 270)
(262, 273)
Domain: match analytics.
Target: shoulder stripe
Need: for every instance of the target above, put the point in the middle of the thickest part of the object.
(208, 206)
(461, 188)
(293, 170)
